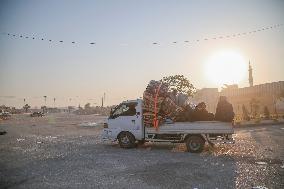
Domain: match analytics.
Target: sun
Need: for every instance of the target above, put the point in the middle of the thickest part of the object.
(225, 67)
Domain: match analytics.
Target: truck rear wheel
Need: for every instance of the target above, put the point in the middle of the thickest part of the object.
(126, 140)
(195, 144)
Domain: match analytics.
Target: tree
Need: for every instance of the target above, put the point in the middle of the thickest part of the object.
(26, 107)
(266, 112)
(254, 105)
(44, 109)
(3, 108)
(179, 83)
(245, 113)
(278, 97)
(87, 106)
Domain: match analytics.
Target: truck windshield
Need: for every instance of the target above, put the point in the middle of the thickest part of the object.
(124, 109)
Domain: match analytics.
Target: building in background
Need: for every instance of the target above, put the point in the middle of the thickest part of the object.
(268, 94)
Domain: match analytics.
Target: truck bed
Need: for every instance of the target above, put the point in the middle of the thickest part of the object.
(197, 127)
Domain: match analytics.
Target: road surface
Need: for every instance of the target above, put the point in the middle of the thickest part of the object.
(58, 151)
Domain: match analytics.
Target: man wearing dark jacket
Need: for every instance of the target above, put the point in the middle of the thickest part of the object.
(224, 110)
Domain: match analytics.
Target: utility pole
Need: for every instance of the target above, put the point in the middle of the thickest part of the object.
(45, 100)
(54, 102)
(102, 101)
(104, 97)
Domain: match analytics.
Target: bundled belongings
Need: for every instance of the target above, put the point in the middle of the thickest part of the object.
(149, 97)
(159, 103)
(201, 114)
(153, 86)
(182, 100)
(224, 110)
(198, 113)
(186, 115)
(169, 108)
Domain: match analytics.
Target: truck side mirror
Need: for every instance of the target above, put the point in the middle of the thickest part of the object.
(137, 113)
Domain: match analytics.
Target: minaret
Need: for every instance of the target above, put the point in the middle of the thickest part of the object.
(250, 76)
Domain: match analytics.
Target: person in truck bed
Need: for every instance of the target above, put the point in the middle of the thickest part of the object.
(224, 110)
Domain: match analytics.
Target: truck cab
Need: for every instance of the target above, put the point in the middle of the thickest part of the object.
(126, 117)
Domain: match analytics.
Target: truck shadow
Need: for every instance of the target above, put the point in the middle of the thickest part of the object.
(167, 165)
(167, 146)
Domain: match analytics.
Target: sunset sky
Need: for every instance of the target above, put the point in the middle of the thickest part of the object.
(124, 59)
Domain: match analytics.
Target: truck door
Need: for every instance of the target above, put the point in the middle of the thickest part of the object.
(127, 117)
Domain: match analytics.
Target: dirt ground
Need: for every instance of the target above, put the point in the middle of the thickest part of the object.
(62, 151)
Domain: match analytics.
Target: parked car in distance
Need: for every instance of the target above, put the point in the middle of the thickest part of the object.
(37, 114)
(5, 115)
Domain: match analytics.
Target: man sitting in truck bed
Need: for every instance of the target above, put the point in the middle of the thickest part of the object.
(224, 110)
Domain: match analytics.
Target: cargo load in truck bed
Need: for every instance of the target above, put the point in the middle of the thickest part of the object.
(160, 104)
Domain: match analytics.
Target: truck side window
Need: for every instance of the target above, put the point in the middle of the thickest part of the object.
(129, 110)
(125, 110)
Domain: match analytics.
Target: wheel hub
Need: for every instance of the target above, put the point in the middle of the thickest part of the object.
(194, 145)
(125, 140)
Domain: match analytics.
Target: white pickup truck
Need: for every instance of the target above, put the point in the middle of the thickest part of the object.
(125, 124)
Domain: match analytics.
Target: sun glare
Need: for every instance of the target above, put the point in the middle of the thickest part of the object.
(226, 67)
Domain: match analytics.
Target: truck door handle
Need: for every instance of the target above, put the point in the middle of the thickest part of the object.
(133, 121)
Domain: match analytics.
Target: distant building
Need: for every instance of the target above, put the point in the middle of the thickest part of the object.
(266, 94)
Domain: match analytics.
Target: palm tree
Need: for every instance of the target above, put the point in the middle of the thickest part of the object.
(26, 107)
(245, 113)
(266, 112)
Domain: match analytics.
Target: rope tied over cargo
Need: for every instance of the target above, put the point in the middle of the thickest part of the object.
(156, 121)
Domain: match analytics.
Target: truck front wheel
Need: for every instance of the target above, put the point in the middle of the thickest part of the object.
(195, 144)
(126, 140)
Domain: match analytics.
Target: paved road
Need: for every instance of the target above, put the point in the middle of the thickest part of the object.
(55, 152)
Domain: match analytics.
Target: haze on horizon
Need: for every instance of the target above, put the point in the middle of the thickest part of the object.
(124, 58)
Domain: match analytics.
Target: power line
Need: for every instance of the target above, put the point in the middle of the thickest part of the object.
(220, 37)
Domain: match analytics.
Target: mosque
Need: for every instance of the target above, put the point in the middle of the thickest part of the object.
(267, 94)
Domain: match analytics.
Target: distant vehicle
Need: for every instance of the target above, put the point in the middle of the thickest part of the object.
(37, 114)
(5, 115)
(127, 127)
